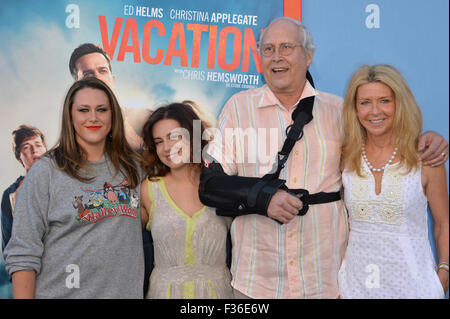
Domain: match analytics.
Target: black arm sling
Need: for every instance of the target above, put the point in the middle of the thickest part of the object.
(294, 132)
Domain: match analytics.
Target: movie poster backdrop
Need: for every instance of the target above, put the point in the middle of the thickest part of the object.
(205, 51)
(161, 51)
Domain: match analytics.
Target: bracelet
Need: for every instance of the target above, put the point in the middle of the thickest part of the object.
(444, 266)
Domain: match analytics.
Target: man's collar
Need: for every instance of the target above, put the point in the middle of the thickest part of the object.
(269, 99)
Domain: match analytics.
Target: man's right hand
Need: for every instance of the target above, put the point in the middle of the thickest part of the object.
(284, 206)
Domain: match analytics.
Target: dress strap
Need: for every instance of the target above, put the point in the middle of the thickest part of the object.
(152, 203)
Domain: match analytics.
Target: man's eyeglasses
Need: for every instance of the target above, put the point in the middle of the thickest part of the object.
(284, 49)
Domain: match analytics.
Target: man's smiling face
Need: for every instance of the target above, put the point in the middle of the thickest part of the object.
(284, 74)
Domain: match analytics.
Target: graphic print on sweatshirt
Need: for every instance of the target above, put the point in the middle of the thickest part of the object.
(108, 201)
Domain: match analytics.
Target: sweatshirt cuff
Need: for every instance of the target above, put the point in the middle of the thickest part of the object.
(14, 264)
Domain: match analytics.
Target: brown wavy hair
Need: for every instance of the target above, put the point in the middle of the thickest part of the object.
(22, 133)
(70, 157)
(184, 113)
(407, 119)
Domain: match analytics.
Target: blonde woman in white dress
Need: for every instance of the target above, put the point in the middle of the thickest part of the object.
(386, 190)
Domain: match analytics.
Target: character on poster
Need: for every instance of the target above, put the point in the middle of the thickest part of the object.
(28, 146)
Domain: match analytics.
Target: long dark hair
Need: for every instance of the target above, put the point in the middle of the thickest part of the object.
(70, 157)
(184, 113)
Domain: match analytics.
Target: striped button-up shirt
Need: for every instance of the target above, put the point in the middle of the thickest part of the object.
(300, 259)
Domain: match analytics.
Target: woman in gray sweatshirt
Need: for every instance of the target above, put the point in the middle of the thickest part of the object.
(77, 232)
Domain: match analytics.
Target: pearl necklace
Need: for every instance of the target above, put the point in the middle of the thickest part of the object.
(370, 165)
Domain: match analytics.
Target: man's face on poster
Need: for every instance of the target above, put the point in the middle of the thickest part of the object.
(95, 65)
(31, 150)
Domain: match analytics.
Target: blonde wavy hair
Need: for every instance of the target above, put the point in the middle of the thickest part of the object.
(407, 124)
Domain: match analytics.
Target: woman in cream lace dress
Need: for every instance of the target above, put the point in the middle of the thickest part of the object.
(189, 238)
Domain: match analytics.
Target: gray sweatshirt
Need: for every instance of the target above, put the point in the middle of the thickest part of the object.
(84, 240)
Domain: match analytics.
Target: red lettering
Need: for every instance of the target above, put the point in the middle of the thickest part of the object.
(88, 218)
(146, 42)
(109, 47)
(237, 48)
(128, 211)
(177, 31)
(250, 44)
(212, 47)
(130, 27)
(177, 44)
(198, 29)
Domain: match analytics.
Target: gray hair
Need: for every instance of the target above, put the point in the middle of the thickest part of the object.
(306, 39)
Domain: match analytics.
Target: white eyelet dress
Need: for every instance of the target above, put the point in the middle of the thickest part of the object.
(388, 253)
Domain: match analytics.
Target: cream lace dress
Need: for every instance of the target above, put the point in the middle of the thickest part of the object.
(388, 253)
(190, 252)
